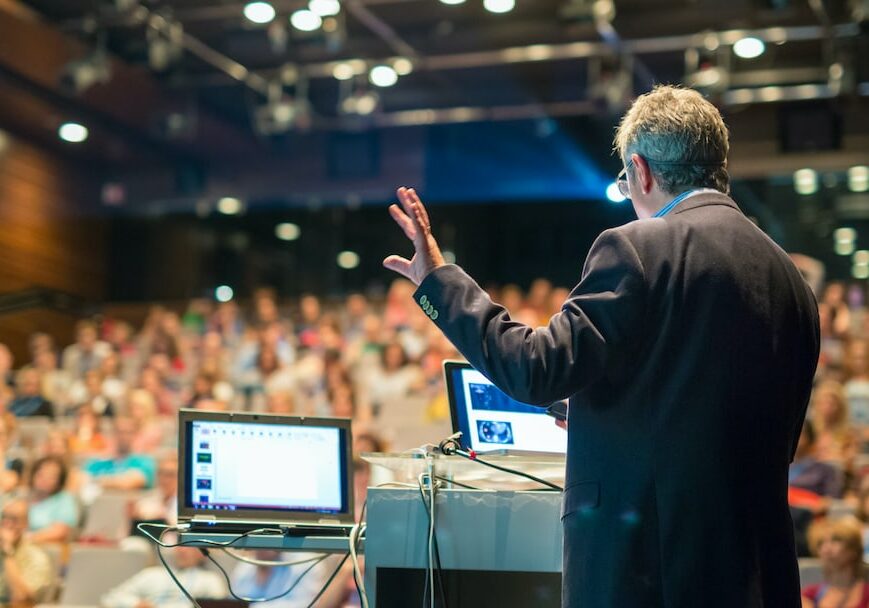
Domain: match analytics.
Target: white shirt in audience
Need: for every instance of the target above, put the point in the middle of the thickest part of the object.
(153, 585)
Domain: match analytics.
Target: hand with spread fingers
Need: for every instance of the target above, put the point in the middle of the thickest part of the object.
(413, 219)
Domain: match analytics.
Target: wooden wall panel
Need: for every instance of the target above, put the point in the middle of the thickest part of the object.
(51, 235)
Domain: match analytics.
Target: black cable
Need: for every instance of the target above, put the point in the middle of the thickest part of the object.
(451, 445)
(456, 483)
(329, 582)
(172, 574)
(437, 553)
(207, 554)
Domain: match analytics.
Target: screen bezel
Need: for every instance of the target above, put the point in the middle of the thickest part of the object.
(185, 460)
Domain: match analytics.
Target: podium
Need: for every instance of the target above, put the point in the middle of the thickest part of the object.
(499, 548)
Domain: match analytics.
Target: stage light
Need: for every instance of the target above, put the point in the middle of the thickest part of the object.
(858, 178)
(287, 231)
(324, 8)
(348, 260)
(499, 6)
(223, 293)
(383, 76)
(402, 66)
(343, 71)
(259, 12)
(613, 194)
(749, 47)
(806, 181)
(305, 20)
(229, 205)
(73, 132)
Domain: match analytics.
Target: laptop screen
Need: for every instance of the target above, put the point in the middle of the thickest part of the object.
(490, 420)
(262, 466)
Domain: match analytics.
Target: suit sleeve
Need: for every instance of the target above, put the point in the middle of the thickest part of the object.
(538, 366)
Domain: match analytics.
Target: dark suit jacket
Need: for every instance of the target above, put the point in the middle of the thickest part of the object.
(687, 351)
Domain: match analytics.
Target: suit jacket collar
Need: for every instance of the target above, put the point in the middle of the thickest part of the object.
(704, 199)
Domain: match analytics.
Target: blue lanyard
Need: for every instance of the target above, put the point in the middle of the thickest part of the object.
(669, 206)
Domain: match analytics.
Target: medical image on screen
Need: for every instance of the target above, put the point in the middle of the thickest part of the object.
(490, 398)
(494, 431)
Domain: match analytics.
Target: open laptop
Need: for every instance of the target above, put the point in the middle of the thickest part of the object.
(240, 471)
(490, 421)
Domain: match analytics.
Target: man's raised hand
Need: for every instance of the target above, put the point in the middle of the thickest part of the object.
(412, 217)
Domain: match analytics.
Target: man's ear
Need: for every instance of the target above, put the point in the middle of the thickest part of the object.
(643, 174)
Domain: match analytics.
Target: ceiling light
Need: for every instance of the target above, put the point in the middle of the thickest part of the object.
(844, 235)
(366, 103)
(259, 12)
(499, 6)
(72, 132)
(229, 205)
(860, 271)
(287, 231)
(749, 47)
(452, 1)
(613, 194)
(324, 8)
(402, 66)
(383, 76)
(223, 293)
(305, 20)
(858, 178)
(806, 181)
(861, 257)
(343, 71)
(449, 256)
(844, 247)
(348, 260)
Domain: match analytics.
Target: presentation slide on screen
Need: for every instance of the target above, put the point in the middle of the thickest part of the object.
(265, 466)
(497, 422)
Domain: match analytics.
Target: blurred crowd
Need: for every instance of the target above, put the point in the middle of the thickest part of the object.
(89, 429)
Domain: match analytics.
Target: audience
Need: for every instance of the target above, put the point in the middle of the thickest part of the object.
(118, 389)
(153, 588)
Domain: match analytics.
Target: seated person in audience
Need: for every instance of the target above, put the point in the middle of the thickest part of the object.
(153, 587)
(840, 547)
(162, 503)
(258, 581)
(87, 352)
(87, 437)
(124, 470)
(142, 408)
(10, 473)
(280, 402)
(836, 436)
(53, 512)
(27, 572)
(808, 473)
(862, 514)
(397, 378)
(28, 399)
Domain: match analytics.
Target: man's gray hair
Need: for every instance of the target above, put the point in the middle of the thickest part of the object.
(681, 135)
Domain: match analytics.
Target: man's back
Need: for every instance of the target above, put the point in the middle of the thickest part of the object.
(679, 449)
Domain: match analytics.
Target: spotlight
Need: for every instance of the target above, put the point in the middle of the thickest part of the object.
(858, 178)
(613, 194)
(383, 76)
(305, 20)
(499, 6)
(72, 132)
(324, 8)
(229, 205)
(348, 260)
(749, 47)
(259, 12)
(223, 293)
(287, 231)
(806, 181)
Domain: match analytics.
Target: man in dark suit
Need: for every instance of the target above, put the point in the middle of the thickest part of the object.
(687, 351)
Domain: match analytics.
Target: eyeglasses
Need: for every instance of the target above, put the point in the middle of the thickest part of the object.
(622, 180)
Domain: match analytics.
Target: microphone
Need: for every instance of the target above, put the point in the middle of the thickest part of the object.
(450, 445)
